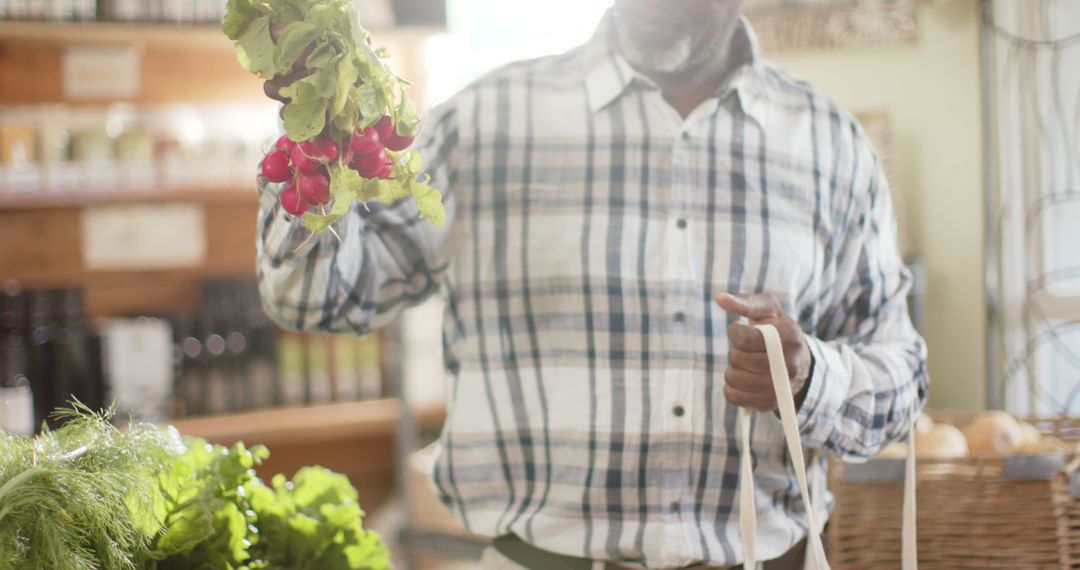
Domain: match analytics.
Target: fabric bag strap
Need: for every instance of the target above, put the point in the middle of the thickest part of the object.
(815, 559)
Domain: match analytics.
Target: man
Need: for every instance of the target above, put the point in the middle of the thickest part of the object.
(613, 213)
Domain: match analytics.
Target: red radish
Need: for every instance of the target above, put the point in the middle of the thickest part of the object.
(303, 162)
(397, 142)
(387, 169)
(291, 202)
(314, 188)
(275, 167)
(385, 127)
(322, 149)
(284, 144)
(365, 141)
(370, 165)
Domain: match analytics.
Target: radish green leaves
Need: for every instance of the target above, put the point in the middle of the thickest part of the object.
(340, 87)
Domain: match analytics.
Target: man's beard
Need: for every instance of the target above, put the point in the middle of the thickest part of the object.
(665, 42)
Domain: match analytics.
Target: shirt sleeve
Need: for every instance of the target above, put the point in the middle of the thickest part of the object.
(869, 373)
(386, 259)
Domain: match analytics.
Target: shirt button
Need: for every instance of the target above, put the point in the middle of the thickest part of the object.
(678, 411)
(675, 507)
(681, 224)
(680, 317)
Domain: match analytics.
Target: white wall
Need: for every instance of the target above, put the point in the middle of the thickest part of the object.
(931, 90)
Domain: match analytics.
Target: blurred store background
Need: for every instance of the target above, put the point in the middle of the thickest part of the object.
(130, 136)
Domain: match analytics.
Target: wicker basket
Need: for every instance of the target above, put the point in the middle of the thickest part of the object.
(1066, 489)
(978, 512)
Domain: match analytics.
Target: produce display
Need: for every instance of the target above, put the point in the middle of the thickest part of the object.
(348, 121)
(991, 433)
(942, 441)
(90, 496)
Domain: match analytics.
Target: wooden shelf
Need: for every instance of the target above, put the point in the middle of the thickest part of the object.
(187, 36)
(43, 200)
(201, 37)
(309, 424)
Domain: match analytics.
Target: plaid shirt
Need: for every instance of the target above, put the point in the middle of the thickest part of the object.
(588, 227)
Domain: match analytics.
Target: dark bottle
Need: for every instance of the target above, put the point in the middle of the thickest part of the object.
(78, 348)
(216, 374)
(190, 382)
(234, 362)
(50, 385)
(177, 405)
(17, 413)
(261, 372)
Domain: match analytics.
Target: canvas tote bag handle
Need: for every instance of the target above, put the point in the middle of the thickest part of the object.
(815, 555)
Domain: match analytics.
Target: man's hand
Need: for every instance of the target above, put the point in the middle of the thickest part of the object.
(747, 381)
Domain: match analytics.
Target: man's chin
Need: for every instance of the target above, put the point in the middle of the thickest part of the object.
(670, 59)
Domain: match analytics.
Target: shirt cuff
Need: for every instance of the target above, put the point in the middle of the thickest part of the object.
(825, 395)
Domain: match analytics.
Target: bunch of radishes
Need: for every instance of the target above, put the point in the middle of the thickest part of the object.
(304, 165)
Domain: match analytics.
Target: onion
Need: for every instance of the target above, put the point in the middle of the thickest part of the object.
(944, 441)
(1047, 444)
(993, 433)
(1029, 434)
(924, 424)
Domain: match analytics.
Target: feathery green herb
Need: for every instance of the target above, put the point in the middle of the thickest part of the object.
(88, 496)
(79, 497)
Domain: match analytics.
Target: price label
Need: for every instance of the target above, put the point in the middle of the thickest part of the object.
(101, 72)
(138, 237)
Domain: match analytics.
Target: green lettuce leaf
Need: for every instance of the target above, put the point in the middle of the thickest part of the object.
(322, 56)
(429, 202)
(204, 508)
(255, 49)
(346, 119)
(305, 116)
(292, 42)
(391, 191)
(238, 14)
(347, 74)
(371, 103)
(314, 523)
(318, 223)
(345, 185)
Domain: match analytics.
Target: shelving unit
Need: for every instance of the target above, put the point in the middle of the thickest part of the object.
(53, 200)
(299, 425)
(186, 36)
(41, 243)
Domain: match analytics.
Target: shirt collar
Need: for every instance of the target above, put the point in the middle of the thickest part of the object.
(608, 75)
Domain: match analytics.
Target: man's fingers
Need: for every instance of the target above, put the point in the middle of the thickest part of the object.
(745, 338)
(748, 381)
(761, 401)
(753, 362)
(753, 306)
